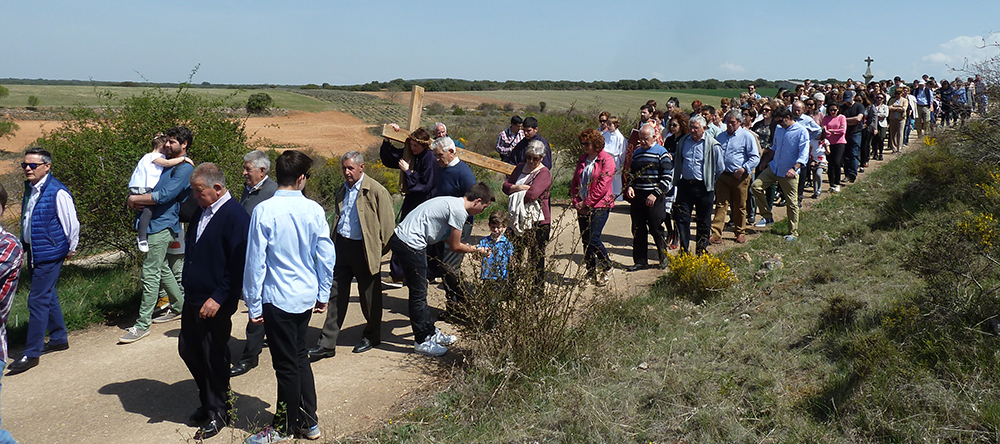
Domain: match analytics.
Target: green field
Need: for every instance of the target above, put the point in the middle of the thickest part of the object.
(619, 103)
(66, 95)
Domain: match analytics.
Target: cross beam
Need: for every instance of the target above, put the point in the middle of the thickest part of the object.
(416, 105)
(466, 155)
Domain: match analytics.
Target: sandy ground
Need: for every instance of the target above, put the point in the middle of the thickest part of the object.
(327, 133)
(99, 391)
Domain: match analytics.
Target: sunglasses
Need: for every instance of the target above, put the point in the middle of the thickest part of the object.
(603, 121)
(31, 165)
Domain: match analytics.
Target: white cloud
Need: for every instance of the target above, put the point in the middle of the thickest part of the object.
(963, 48)
(731, 67)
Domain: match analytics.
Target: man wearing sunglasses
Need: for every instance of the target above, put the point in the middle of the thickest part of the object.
(50, 232)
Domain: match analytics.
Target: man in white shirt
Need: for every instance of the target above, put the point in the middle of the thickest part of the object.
(50, 233)
(439, 219)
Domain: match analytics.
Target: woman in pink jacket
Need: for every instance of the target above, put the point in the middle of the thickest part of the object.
(835, 125)
(593, 199)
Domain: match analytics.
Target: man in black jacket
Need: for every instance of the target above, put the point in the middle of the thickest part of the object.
(213, 280)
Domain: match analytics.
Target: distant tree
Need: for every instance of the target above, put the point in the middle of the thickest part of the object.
(541, 106)
(259, 103)
(33, 102)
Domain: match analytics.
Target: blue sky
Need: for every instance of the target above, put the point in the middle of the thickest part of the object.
(298, 42)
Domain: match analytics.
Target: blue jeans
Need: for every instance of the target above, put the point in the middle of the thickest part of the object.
(44, 311)
(851, 155)
(5, 437)
(595, 256)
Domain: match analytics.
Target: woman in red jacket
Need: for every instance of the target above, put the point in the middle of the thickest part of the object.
(593, 199)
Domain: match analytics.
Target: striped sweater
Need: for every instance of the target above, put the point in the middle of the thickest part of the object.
(651, 170)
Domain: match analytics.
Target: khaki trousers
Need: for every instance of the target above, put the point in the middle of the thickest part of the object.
(730, 191)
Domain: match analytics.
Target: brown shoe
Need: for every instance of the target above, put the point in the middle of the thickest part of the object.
(715, 240)
(741, 239)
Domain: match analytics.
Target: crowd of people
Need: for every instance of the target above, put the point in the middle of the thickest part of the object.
(273, 248)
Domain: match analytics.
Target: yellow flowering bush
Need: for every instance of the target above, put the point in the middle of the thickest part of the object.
(699, 276)
(982, 229)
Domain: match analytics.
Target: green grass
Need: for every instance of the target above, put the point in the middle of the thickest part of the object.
(51, 96)
(618, 103)
(371, 109)
(797, 354)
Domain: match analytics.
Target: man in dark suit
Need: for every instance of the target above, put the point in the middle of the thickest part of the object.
(258, 188)
(213, 277)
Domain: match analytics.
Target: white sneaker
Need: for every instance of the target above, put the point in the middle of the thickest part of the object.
(430, 348)
(133, 334)
(143, 245)
(764, 222)
(835, 189)
(267, 436)
(442, 339)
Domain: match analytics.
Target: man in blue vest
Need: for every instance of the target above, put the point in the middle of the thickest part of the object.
(50, 232)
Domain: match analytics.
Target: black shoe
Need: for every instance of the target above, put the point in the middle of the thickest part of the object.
(210, 429)
(50, 347)
(365, 345)
(199, 416)
(240, 368)
(636, 267)
(320, 352)
(22, 365)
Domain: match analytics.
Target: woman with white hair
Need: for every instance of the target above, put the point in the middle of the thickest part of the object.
(534, 180)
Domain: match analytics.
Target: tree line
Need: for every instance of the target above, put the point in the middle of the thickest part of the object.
(569, 85)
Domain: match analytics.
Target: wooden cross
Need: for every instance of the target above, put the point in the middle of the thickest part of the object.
(416, 106)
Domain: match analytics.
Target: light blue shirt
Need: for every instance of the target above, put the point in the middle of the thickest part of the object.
(791, 146)
(693, 154)
(290, 255)
(349, 225)
(924, 96)
(815, 131)
(739, 150)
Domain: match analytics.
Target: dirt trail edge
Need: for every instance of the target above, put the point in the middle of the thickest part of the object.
(102, 392)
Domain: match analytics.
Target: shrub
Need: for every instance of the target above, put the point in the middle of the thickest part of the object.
(32, 102)
(457, 111)
(541, 106)
(95, 152)
(435, 109)
(8, 128)
(699, 276)
(259, 103)
(487, 108)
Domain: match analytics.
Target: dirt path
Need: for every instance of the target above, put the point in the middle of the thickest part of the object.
(327, 133)
(98, 391)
